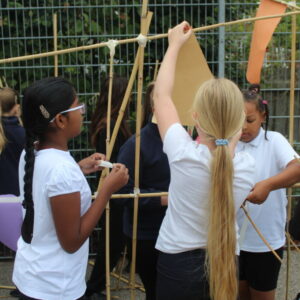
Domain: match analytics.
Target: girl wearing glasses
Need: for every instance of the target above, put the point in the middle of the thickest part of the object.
(53, 249)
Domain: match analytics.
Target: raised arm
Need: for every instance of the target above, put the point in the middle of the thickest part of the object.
(164, 108)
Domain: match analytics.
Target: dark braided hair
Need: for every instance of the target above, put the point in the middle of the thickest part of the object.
(252, 95)
(43, 100)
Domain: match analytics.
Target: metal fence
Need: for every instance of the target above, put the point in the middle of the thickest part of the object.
(26, 27)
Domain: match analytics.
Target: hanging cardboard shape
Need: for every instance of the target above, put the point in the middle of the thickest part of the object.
(191, 71)
(261, 36)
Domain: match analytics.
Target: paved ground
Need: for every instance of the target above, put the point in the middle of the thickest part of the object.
(294, 282)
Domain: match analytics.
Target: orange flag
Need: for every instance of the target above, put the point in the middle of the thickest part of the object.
(261, 36)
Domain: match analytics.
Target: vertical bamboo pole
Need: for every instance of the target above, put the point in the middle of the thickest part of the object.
(107, 214)
(118, 123)
(137, 150)
(291, 140)
(55, 44)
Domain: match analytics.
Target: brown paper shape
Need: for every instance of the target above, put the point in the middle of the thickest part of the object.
(191, 71)
(261, 36)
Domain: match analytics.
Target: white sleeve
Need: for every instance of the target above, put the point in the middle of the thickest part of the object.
(284, 152)
(64, 179)
(175, 139)
(244, 177)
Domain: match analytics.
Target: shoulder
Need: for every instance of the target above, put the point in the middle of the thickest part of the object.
(277, 140)
(274, 135)
(60, 161)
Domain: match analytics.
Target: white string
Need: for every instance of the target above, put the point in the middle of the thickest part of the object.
(142, 40)
(136, 191)
(111, 44)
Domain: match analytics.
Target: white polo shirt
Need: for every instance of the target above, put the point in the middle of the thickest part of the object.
(42, 269)
(185, 225)
(271, 156)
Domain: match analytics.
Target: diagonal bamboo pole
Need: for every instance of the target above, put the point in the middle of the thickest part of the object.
(291, 140)
(259, 233)
(126, 96)
(132, 40)
(137, 148)
(55, 44)
(289, 4)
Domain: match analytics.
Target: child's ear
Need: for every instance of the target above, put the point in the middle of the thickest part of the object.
(60, 121)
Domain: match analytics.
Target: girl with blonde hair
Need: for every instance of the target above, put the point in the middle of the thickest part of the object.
(12, 141)
(197, 239)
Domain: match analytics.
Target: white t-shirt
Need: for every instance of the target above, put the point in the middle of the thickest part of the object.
(43, 270)
(271, 157)
(185, 225)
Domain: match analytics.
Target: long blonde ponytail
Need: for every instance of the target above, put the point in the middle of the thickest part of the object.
(220, 109)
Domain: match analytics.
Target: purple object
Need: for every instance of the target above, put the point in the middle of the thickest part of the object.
(11, 219)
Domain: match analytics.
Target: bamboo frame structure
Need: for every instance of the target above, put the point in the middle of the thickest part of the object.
(138, 67)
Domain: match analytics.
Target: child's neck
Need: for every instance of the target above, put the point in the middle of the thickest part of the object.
(58, 143)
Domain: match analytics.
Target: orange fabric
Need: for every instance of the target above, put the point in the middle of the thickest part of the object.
(261, 36)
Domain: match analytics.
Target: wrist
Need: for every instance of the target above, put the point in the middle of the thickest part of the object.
(104, 194)
(269, 184)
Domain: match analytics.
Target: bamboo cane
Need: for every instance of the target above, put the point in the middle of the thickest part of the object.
(155, 70)
(294, 244)
(137, 150)
(132, 40)
(107, 209)
(288, 4)
(291, 140)
(260, 235)
(7, 287)
(121, 268)
(138, 286)
(55, 44)
(141, 195)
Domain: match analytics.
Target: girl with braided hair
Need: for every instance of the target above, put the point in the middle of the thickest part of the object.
(276, 169)
(52, 253)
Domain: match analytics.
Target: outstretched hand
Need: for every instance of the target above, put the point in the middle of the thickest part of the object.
(179, 34)
(259, 193)
(90, 164)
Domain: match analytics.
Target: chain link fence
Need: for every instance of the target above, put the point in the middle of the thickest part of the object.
(26, 27)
